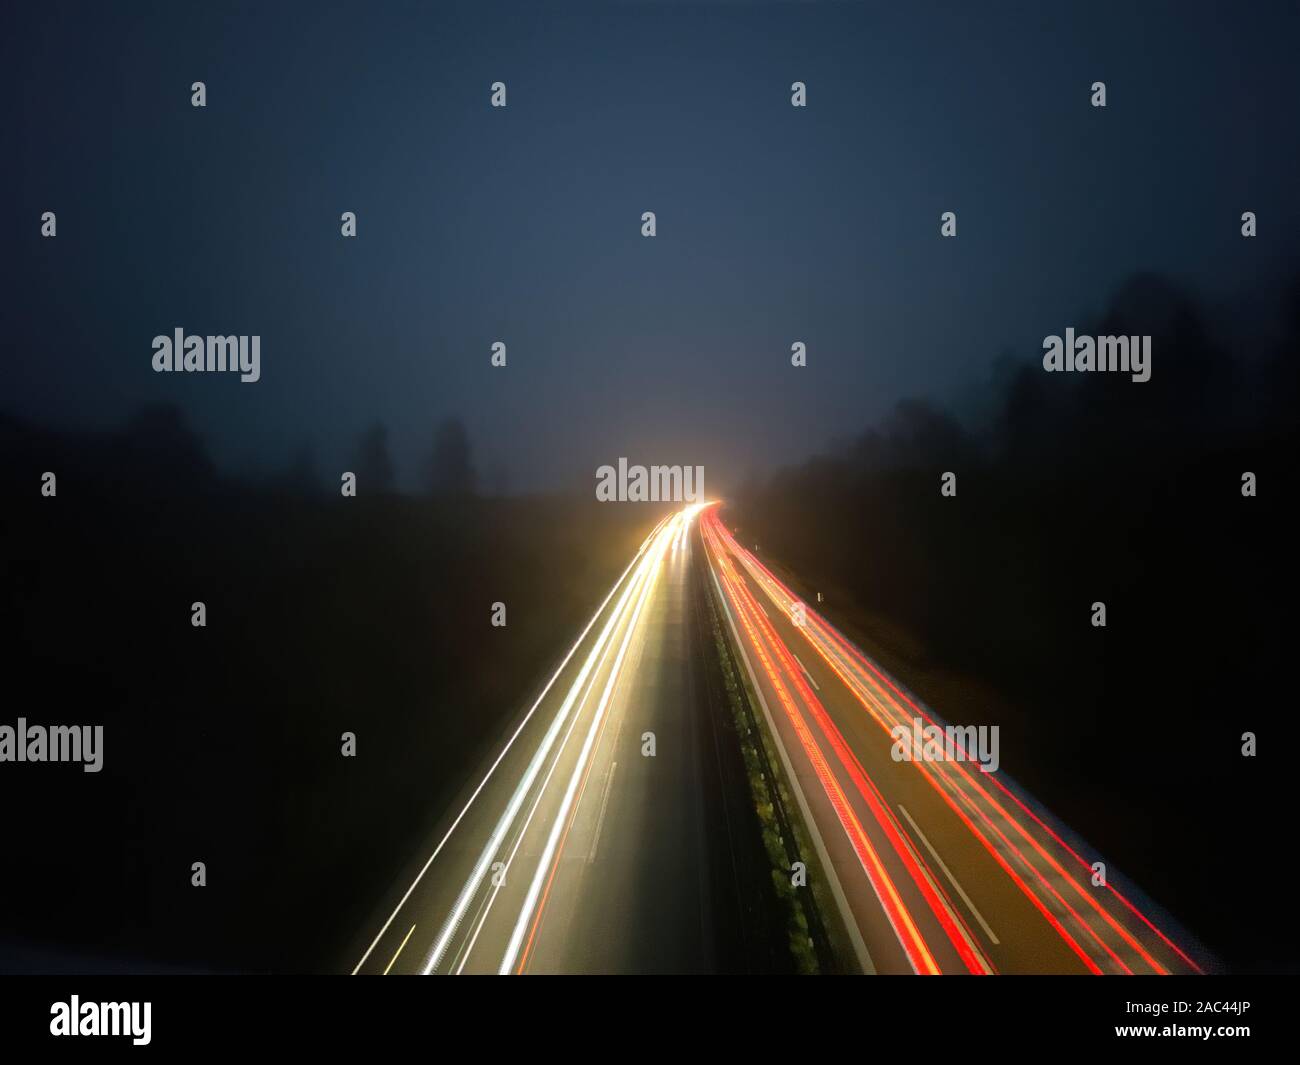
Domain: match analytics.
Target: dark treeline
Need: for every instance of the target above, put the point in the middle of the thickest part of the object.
(1087, 488)
(222, 744)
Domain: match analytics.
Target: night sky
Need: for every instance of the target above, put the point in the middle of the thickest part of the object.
(522, 224)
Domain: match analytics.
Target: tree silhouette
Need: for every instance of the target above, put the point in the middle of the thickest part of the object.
(451, 467)
(374, 464)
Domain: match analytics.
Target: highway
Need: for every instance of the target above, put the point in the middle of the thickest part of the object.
(612, 832)
(596, 840)
(942, 867)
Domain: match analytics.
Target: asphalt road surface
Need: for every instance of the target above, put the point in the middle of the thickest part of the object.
(941, 866)
(609, 833)
(613, 832)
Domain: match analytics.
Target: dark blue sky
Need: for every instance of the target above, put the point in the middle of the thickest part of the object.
(475, 224)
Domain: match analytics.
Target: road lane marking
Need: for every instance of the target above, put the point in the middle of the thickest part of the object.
(461, 958)
(600, 821)
(399, 950)
(948, 873)
(805, 672)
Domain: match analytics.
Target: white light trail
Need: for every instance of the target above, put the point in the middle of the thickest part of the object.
(534, 889)
(502, 829)
(515, 735)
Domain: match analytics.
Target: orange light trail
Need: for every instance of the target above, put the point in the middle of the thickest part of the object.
(955, 776)
(960, 936)
(958, 777)
(914, 945)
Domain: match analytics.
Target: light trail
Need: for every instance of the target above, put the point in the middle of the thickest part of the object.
(683, 520)
(545, 871)
(534, 767)
(537, 801)
(393, 960)
(1114, 891)
(909, 937)
(523, 832)
(988, 929)
(839, 668)
(1052, 920)
(958, 783)
(960, 937)
(956, 780)
(504, 750)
